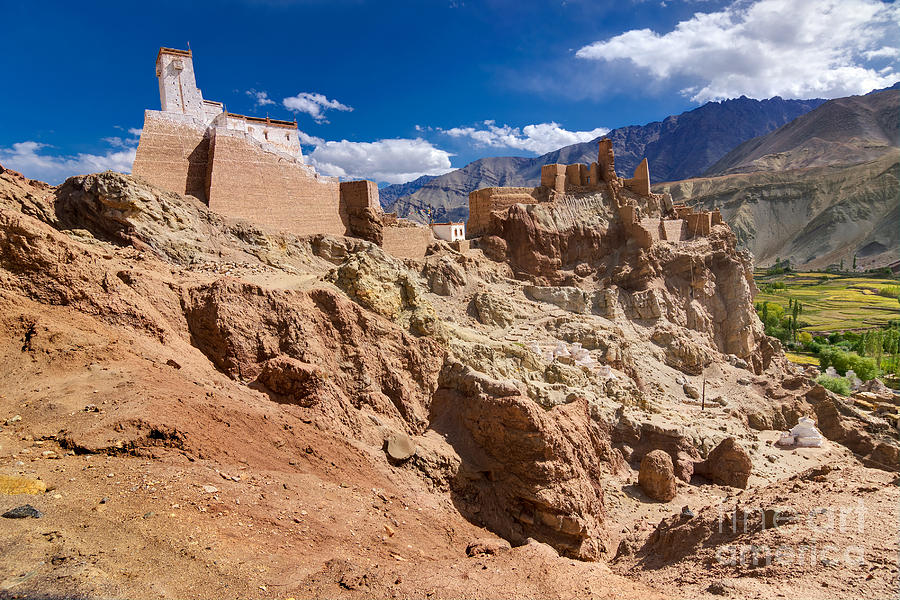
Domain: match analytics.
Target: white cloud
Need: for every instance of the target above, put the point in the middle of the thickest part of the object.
(31, 159)
(540, 138)
(260, 98)
(309, 140)
(314, 105)
(790, 48)
(391, 161)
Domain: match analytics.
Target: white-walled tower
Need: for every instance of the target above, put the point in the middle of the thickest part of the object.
(178, 91)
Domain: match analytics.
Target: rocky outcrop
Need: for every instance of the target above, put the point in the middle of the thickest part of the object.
(384, 286)
(492, 309)
(570, 299)
(865, 435)
(657, 476)
(704, 285)
(728, 464)
(366, 224)
(297, 343)
(525, 471)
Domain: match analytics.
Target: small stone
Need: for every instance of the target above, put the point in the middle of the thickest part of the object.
(14, 419)
(690, 391)
(26, 511)
(400, 446)
(104, 500)
(210, 489)
(687, 512)
(489, 546)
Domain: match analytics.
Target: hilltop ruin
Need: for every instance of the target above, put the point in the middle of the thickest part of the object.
(645, 216)
(253, 168)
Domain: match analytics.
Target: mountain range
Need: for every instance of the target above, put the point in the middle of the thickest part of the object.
(819, 191)
(677, 147)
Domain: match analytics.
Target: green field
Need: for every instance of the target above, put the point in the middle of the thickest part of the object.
(832, 302)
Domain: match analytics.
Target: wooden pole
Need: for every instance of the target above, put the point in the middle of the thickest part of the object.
(703, 396)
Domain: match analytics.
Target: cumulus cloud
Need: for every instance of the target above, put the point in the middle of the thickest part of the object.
(764, 48)
(260, 98)
(309, 140)
(392, 160)
(540, 138)
(314, 105)
(33, 160)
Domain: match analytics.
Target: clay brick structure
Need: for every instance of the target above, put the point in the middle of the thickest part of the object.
(252, 167)
(407, 239)
(646, 217)
(482, 202)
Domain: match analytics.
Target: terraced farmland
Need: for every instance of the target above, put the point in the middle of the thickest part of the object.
(833, 302)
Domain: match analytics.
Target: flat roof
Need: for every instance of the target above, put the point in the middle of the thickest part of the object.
(175, 51)
(266, 120)
(448, 223)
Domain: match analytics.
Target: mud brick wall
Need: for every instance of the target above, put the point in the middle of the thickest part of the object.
(674, 230)
(247, 182)
(698, 224)
(359, 195)
(485, 200)
(640, 183)
(173, 155)
(408, 241)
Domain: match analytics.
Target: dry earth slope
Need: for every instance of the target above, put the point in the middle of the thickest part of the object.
(216, 410)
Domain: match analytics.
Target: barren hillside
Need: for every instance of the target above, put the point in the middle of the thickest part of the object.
(204, 408)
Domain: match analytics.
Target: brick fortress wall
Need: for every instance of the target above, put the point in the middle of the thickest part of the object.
(407, 241)
(173, 154)
(251, 168)
(236, 177)
(247, 182)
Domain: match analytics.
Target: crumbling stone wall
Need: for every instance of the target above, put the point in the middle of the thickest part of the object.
(482, 202)
(640, 183)
(645, 217)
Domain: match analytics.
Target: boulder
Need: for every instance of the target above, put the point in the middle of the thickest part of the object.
(12, 485)
(299, 382)
(400, 446)
(657, 476)
(690, 391)
(492, 309)
(728, 464)
(489, 546)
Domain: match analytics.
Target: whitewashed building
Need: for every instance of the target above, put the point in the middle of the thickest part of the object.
(449, 232)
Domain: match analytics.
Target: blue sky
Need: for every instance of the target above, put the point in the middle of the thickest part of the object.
(394, 90)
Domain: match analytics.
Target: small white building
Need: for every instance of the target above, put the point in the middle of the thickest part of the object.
(449, 232)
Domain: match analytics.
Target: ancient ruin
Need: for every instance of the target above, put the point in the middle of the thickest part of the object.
(647, 217)
(252, 168)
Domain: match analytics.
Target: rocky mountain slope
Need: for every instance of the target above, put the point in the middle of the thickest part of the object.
(840, 132)
(204, 408)
(819, 190)
(680, 146)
